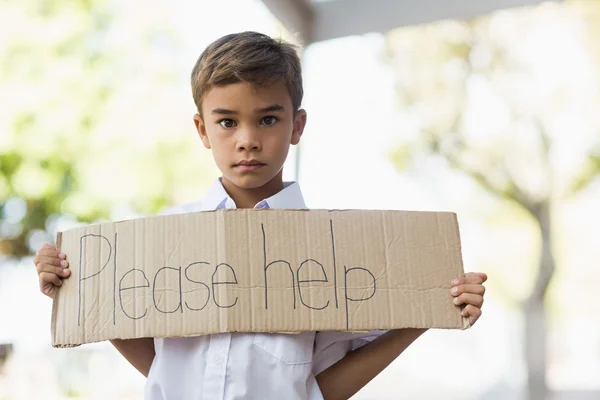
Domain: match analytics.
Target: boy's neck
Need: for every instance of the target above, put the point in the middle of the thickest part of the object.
(248, 198)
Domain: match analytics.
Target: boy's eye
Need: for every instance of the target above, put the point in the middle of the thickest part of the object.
(227, 123)
(270, 120)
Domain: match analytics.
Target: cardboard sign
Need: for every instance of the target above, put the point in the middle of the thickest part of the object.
(258, 271)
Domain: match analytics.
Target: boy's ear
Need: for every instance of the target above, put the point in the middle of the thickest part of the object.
(201, 128)
(299, 124)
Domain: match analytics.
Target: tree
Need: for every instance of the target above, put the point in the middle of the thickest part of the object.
(79, 134)
(40, 64)
(492, 98)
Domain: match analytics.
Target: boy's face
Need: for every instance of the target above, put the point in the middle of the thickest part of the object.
(249, 130)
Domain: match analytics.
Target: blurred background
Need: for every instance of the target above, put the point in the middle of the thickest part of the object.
(489, 109)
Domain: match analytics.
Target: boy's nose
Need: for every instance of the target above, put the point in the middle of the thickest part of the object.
(248, 140)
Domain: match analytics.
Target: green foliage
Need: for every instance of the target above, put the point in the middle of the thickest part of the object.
(44, 71)
(79, 131)
(587, 174)
(42, 184)
(491, 109)
(501, 99)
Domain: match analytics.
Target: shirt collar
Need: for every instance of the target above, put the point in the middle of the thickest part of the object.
(289, 197)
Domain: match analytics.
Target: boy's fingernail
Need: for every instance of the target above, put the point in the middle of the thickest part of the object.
(456, 301)
(61, 255)
(454, 282)
(66, 272)
(454, 290)
(63, 263)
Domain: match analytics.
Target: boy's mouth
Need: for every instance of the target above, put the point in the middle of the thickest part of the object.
(249, 165)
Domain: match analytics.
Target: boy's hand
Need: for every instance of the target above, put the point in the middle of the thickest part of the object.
(51, 266)
(468, 291)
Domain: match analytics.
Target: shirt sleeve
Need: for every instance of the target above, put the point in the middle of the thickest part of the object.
(331, 346)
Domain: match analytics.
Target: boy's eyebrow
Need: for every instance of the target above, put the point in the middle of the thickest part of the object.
(274, 107)
(223, 111)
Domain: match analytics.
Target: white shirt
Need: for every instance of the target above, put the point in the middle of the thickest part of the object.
(249, 366)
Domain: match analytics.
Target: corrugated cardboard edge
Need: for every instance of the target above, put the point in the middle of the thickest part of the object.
(466, 323)
(55, 304)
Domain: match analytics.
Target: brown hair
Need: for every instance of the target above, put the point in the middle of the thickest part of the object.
(247, 57)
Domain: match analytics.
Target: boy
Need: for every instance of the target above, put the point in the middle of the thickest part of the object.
(248, 90)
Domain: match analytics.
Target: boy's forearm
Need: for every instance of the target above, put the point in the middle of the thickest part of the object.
(345, 378)
(139, 352)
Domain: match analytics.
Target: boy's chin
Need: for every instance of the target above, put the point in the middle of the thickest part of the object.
(249, 181)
